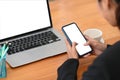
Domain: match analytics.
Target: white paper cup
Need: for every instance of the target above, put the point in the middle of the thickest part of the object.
(94, 33)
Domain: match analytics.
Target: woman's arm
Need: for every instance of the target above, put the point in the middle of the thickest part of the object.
(68, 70)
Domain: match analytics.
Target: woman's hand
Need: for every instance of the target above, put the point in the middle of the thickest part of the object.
(71, 50)
(97, 46)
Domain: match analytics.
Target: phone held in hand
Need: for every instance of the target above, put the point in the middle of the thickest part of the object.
(73, 34)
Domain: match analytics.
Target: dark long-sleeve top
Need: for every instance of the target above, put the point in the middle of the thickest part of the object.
(105, 67)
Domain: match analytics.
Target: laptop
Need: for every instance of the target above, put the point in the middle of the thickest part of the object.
(26, 26)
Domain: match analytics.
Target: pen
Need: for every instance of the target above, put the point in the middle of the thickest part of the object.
(5, 51)
(0, 52)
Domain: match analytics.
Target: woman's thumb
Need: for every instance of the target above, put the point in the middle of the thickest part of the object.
(74, 44)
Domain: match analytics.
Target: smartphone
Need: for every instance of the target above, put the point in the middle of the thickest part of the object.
(73, 34)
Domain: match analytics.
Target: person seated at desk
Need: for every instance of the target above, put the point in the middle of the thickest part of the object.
(107, 65)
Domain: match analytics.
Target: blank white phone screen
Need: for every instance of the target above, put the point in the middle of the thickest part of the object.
(75, 36)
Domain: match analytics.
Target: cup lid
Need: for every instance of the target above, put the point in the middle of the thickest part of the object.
(93, 33)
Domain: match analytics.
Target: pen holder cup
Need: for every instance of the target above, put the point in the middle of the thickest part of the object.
(3, 72)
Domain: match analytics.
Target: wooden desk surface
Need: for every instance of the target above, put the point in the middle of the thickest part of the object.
(86, 15)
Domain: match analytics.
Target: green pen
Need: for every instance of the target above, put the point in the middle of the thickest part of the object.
(5, 51)
(0, 52)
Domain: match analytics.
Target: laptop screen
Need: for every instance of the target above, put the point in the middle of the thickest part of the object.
(22, 16)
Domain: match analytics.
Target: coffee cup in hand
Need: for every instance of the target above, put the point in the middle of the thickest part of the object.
(95, 34)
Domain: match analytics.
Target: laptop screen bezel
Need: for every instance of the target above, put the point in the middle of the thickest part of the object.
(31, 32)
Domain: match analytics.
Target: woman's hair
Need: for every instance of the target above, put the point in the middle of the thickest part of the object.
(118, 13)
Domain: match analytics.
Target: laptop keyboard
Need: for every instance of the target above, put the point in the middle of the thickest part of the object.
(31, 42)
